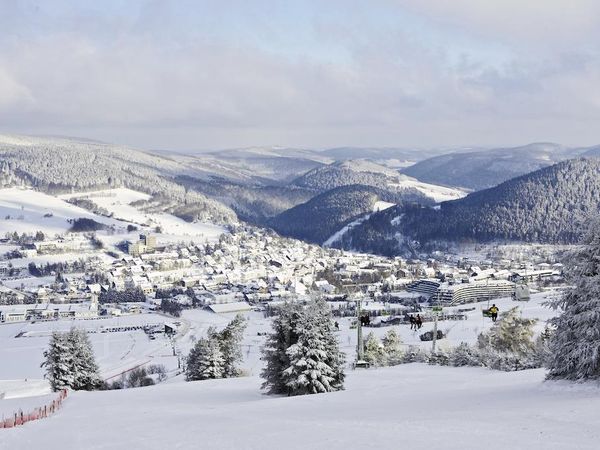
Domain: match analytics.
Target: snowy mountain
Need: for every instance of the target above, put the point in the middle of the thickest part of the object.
(487, 168)
(551, 205)
(254, 184)
(322, 216)
(388, 156)
(61, 165)
(368, 173)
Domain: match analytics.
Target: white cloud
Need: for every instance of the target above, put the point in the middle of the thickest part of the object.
(466, 73)
(540, 23)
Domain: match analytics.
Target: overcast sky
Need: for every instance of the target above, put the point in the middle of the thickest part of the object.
(218, 74)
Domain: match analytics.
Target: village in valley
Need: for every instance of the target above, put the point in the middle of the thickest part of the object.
(138, 281)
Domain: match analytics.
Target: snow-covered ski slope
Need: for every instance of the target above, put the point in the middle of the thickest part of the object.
(119, 203)
(435, 192)
(379, 206)
(28, 211)
(413, 407)
(400, 181)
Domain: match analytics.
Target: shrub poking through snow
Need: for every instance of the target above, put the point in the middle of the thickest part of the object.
(414, 354)
(463, 355)
(439, 358)
(509, 344)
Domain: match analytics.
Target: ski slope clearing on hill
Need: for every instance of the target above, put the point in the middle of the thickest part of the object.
(412, 406)
(437, 193)
(32, 211)
(119, 203)
(379, 206)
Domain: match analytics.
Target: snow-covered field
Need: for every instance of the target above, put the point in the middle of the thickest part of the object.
(413, 406)
(118, 351)
(118, 201)
(114, 352)
(437, 193)
(27, 209)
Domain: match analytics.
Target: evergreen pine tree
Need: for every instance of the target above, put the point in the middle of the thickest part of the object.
(230, 341)
(205, 360)
(575, 344)
(335, 357)
(302, 353)
(314, 362)
(59, 362)
(86, 374)
(70, 362)
(274, 351)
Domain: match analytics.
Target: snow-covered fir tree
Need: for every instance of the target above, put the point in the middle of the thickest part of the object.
(575, 343)
(374, 352)
(276, 345)
(59, 362)
(302, 353)
(70, 362)
(205, 360)
(86, 374)
(230, 342)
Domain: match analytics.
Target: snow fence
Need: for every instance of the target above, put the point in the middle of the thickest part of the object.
(21, 418)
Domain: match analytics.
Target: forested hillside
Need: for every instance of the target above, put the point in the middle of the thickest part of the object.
(550, 205)
(345, 174)
(319, 218)
(254, 203)
(56, 165)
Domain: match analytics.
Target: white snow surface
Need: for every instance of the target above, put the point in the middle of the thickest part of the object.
(338, 234)
(27, 208)
(382, 206)
(378, 206)
(118, 201)
(413, 406)
(434, 191)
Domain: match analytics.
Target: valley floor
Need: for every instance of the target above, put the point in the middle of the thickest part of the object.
(413, 406)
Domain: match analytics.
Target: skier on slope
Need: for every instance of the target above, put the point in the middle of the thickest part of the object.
(493, 312)
(413, 322)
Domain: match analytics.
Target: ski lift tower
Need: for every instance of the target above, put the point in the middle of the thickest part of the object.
(360, 345)
(436, 309)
